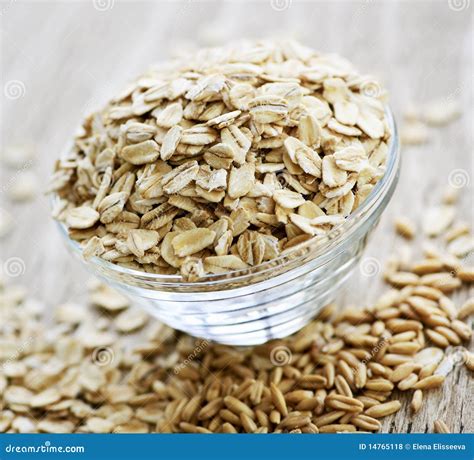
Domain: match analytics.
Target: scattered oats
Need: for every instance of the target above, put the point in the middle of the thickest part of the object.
(405, 227)
(55, 426)
(99, 425)
(17, 156)
(457, 230)
(441, 112)
(6, 223)
(429, 356)
(462, 246)
(433, 381)
(6, 418)
(448, 363)
(14, 369)
(45, 398)
(23, 186)
(412, 112)
(92, 338)
(133, 426)
(417, 401)
(467, 309)
(437, 219)
(414, 133)
(108, 298)
(469, 360)
(382, 410)
(441, 427)
(131, 320)
(401, 279)
(450, 195)
(24, 425)
(73, 381)
(465, 274)
(17, 395)
(91, 377)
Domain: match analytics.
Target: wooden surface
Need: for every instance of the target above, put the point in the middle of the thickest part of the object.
(70, 57)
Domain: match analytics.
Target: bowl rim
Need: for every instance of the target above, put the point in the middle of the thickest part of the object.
(325, 246)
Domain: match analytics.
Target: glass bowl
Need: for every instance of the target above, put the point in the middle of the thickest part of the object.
(268, 301)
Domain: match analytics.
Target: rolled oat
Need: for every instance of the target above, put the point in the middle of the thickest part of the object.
(265, 138)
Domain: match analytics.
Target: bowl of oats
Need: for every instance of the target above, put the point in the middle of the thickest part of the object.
(231, 192)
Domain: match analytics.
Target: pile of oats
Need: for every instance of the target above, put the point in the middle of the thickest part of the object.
(223, 160)
(89, 373)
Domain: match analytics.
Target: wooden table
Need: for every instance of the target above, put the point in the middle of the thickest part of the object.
(70, 57)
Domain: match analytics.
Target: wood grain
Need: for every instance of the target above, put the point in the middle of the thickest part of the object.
(71, 57)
